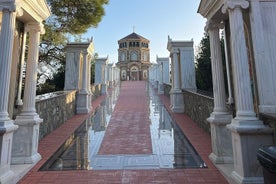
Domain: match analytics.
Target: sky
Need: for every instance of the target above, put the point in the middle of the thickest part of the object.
(152, 19)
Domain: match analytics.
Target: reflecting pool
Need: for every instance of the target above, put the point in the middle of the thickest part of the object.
(170, 147)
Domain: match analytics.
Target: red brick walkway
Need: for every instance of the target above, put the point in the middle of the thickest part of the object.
(200, 140)
(128, 131)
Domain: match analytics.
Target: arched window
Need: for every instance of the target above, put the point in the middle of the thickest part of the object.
(145, 56)
(123, 56)
(134, 56)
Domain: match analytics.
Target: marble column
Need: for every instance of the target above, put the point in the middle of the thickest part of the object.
(160, 83)
(90, 93)
(83, 95)
(248, 132)
(220, 117)
(25, 142)
(22, 62)
(176, 95)
(226, 50)
(7, 126)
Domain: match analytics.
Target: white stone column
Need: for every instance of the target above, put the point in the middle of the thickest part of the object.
(248, 133)
(176, 67)
(220, 117)
(229, 83)
(160, 83)
(22, 62)
(90, 93)
(104, 79)
(25, 142)
(7, 126)
(176, 95)
(83, 95)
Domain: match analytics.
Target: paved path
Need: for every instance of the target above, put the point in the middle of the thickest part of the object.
(199, 139)
(128, 131)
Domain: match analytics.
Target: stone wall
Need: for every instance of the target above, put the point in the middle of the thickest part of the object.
(197, 106)
(55, 108)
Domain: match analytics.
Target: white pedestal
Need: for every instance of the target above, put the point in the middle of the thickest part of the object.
(222, 152)
(247, 137)
(161, 88)
(25, 141)
(103, 89)
(177, 101)
(7, 129)
(83, 103)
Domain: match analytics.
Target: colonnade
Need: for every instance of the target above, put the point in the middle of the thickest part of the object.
(106, 74)
(19, 137)
(178, 69)
(236, 139)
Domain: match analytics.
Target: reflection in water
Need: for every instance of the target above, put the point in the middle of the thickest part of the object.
(171, 149)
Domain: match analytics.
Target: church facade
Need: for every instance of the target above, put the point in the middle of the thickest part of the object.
(133, 57)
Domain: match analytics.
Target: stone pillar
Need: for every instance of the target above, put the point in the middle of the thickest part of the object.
(160, 76)
(264, 60)
(22, 62)
(83, 95)
(100, 73)
(177, 101)
(166, 70)
(104, 81)
(248, 133)
(25, 143)
(90, 93)
(72, 68)
(187, 66)
(226, 50)
(220, 117)
(110, 75)
(7, 126)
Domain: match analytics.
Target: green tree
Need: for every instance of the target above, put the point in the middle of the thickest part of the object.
(203, 65)
(69, 17)
(75, 17)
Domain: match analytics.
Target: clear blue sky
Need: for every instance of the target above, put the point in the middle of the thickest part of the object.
(152, 19)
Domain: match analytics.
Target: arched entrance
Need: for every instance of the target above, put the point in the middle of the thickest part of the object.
(134, 73)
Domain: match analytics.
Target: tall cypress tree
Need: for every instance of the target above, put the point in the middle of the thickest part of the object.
(203, 65)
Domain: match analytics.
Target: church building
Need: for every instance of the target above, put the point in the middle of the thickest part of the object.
(133, 57)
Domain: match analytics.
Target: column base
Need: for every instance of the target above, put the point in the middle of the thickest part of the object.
(103, 89)
(33, 159)
(177, 101)
(247, 137)
(155, 84)
(246, 180)
(6, 176)
(220, 159)
(7, 129)
(161, 89)
(83, 101)
(25, 142)
(222, 152)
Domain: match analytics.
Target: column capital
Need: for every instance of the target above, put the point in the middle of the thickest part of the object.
(10, 6)
(175, 50)
(211, 25)
(232, 4)
(35, 26)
